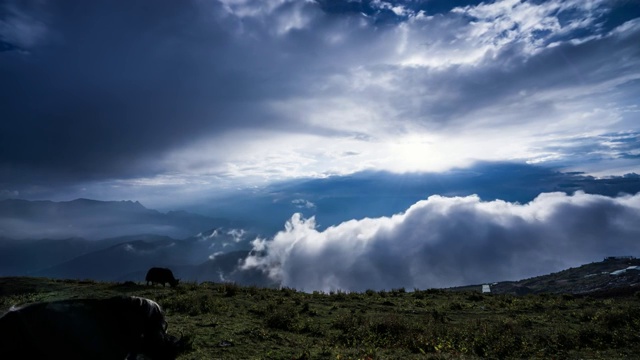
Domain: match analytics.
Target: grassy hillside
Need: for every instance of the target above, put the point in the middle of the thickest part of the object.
(590, 278)
(227, 321)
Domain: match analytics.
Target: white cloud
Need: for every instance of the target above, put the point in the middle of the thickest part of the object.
(443, 241)
(500, 23)
(303, 204)
(397, 9)
(216, 254)
(237, 234)
(204, 237)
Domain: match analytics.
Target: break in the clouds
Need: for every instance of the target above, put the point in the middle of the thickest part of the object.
(203, 94)
(448, 241)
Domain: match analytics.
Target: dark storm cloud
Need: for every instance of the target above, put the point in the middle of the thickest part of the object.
(109, 83)
(107, 86)
(103, 89)
(442, 242)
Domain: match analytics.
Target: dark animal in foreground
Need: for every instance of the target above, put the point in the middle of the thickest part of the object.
(162, 276)
(115, 328)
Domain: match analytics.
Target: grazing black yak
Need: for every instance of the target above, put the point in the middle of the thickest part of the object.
(162, 276)
(106, 329)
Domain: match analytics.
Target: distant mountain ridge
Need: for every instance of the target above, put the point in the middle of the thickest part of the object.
(209, 255)
(22, 257)
(128, 259)
(115, 240)
(93, 219)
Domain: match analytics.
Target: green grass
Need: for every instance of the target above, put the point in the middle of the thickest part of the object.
(227, 321)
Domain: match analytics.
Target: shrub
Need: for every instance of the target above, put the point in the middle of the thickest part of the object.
(420, 295)
(306, 309)
(287, 291)
(339, 295)
(398, 291)
(230, 289)
(391, 328)
(282, 318)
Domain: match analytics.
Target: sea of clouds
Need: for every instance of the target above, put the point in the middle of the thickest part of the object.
(450, 241)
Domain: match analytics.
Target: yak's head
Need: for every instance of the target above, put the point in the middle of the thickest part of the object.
(174, 282)
(154, 342)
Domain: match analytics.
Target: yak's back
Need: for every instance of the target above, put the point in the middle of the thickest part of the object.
(81, 328)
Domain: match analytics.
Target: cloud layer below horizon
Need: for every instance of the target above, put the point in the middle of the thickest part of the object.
(449, 241)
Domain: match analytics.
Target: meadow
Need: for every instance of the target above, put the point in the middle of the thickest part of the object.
(229, 321)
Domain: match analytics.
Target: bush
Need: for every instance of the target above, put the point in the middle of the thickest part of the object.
(391, 329)
(230, 289)
(398, 291)
(282, 318)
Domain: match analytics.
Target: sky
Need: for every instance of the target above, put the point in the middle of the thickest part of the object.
(186, 104)
(202, 96)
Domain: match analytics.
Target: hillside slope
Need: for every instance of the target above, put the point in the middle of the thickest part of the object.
(604, 276)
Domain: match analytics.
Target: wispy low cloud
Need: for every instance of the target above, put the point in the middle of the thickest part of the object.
(303, 204)
(448, 241)
(8, 194)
